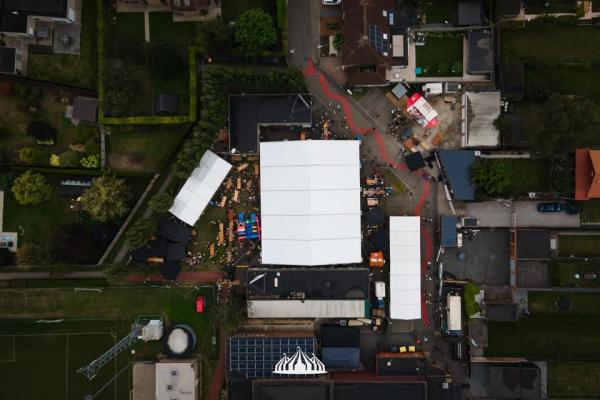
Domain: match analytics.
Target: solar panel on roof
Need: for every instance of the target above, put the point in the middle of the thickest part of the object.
(255, 357)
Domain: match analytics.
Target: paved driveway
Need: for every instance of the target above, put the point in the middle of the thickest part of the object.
(303, 34)
(494, 214)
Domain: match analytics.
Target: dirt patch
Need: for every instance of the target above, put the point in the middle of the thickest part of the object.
(126, 162)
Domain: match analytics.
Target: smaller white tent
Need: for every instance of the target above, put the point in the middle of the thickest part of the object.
(200, 187)
(405, 268)
(454, 313)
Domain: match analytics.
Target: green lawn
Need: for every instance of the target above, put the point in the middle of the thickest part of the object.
(546, 337)
(583, 79)
(439, 11)
(76, 70)
(231, 9)
(546, 42)
(581, 303)
(563, 273)
(590, 211)
(143, 149)
(574, 379)
(439, 54)
(112, 311)
(125, 26)
(579, 246)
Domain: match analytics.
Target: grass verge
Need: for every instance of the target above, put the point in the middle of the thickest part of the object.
(579, 246)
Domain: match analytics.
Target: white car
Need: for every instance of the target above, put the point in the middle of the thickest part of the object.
(331, 2)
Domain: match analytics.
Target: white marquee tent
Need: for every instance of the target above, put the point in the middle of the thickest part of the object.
(310, 202)
(405, 268)
(200, 187)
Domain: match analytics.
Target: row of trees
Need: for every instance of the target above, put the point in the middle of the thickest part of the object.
(217, 83)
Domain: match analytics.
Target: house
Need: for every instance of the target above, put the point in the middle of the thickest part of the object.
(8, 60)
(166, 379)
(21, 18)
(530, 258)
(470, 13)
(587, 174)
(371, 44)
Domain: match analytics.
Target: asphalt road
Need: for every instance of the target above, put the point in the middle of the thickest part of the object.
(303, 31)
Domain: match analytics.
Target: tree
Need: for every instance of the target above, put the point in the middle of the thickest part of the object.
(32, 254)
(106, 198)
(161, 203)
(31, 188)
(490, 177)
(30, 155)
(140, 233)
(43, 132)
(254, 31)
(70, 245)
(215, 36)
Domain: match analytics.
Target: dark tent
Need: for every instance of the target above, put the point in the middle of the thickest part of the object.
(175, 251)
(380, 240)
(340, 336)
(141, 254)
(159, 247)
(414, 161)
(170, 270)
(375, 217)
(174, 231)
(341, 357)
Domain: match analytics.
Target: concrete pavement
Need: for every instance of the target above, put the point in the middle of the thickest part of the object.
(494, 214)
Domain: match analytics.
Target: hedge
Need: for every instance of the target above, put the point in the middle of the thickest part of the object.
(282, 23)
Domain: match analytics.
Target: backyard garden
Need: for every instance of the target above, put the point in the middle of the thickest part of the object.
(581, 273)
(579, 246)
(35, 131)
(440, 55)
(505, 177)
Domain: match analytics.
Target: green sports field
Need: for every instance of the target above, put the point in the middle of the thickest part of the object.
(40, 361)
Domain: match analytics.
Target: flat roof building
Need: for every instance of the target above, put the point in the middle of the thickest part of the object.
(166, 379)
(248, 113)
(479, 112)
(479, 58)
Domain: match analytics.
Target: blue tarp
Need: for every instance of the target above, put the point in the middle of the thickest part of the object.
(457, 165)
(341, 357)
(448, 231)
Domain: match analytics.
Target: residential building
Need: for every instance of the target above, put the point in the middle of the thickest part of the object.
(22, 18)
(587, 174)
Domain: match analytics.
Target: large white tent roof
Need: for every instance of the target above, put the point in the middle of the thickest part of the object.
(405, 268)
(200, 187)
(310, 202)
(306, 308)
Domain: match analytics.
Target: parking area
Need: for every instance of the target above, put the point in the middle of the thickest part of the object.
(498, 214)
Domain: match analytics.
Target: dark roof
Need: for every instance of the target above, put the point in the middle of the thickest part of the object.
(74, 185)
(360, 19)
(357, 76)
(295, 389)
(341, 357)
(501, 312)
(166, 104)
(401, 366)
(247, 112)
(415, 161)
(315, 283)
(375, 217)
(512, 79)
(175, 251)
(173, 230)
(470, 13)
(512, 381)
(379, 390)
(340, 336)
(250, 357)
(170, 270)
(85, 109)
(8, 58)
(380, 240)
(13, 13)
(533, 245)
(141, 254)
(160, 247)
(448, 231)
(511, 7)
(441, 388)
(457, 165)
(480, 52)
(239, 389)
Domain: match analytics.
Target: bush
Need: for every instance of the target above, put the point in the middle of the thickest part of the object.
(490, 177)
(55, 160)
(30, 155)
(31, 188)
(140, 233)
(338, 41)
(254, 32)
(471, 306)
(160, 203)
(92, 161)
(70, 158)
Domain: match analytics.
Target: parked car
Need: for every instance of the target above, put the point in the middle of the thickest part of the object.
(550, 207)
(331, 2)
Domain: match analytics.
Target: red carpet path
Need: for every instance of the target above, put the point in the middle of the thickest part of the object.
(311, 71)
(188, 277)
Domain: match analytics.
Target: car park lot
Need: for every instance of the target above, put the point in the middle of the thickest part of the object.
(495, 214)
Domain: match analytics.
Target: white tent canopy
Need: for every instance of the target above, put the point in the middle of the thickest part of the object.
(310, 202)
(454, 313)
(306, 308)
(405, 268)
(200, 187)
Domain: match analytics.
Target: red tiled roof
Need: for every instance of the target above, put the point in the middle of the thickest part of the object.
(587, 174)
